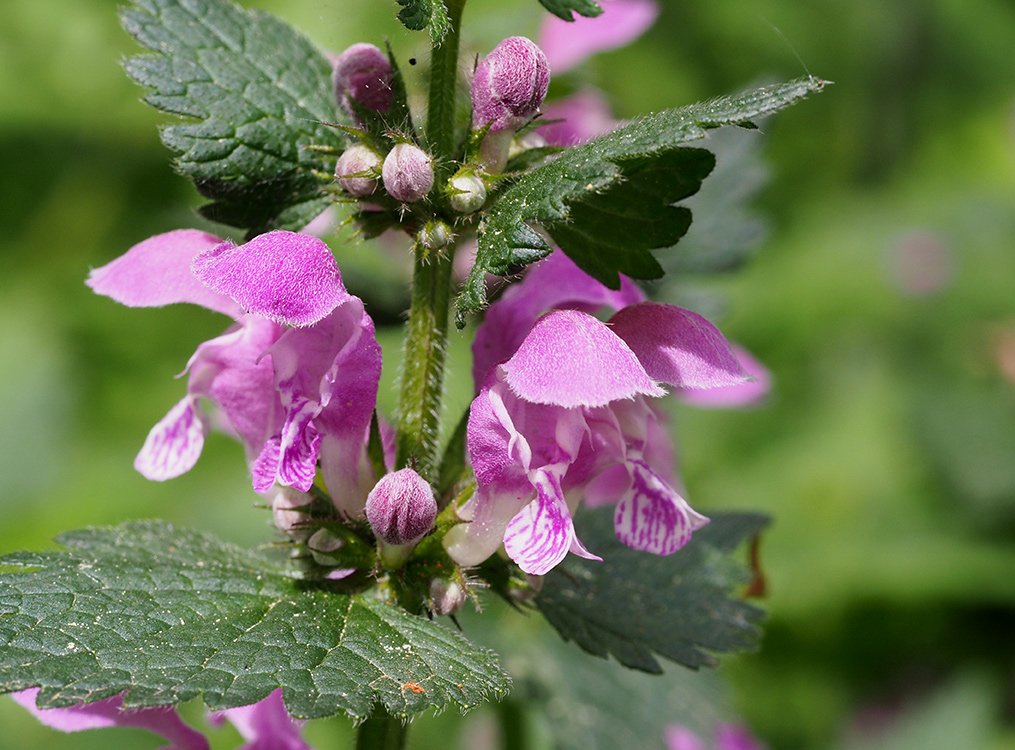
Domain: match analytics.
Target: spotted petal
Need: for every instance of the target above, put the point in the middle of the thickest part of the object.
(652, 517)
(542, 533)
(287, 277)
(174, 444)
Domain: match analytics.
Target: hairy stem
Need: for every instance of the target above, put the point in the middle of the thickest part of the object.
(427, 331)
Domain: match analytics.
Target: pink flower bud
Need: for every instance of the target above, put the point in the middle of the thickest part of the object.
(363, 74)
(407, 173)
(401, 508)
(357, 160)
(446, 597)
(509, 85)
(290, 509)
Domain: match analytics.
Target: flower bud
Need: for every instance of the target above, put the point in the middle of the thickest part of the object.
(290, 510)
(434, 235)
(356, 160)
(322, 544)
(446, 597)
(468, 192)
(363, 74)
(509, 85)
(407, 173)
(401, 508)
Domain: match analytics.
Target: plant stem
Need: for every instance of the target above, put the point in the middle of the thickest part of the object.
(427, 331)
(381, 731)
(511, 717)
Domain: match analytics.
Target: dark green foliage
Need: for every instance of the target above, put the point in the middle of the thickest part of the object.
(259, 93)
(636, 606)
(169, 614)
(567, 8)
(622, 185)
(425, 14)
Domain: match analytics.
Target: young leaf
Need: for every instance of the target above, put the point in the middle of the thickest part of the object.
(168, 614)
(637, 606)
(425, 14)
(258, 93)
(594, 200)
(566, 8)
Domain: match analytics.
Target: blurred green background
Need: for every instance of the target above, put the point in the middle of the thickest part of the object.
(882, 299)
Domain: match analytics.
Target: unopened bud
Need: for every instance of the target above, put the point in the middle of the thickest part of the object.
(290, 510)
(358, 160)
(322, 544)
(434, 235)
(401, 508)
(363, 74)
(446, 597)
(509, 85)
(407, 173)
(468, 192)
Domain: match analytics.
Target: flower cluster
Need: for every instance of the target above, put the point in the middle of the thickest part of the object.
(567, 371)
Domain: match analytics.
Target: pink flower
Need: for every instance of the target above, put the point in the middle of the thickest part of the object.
(265, 725)
(295, 377)
(568, 43)
(563, 415)
(727, 737)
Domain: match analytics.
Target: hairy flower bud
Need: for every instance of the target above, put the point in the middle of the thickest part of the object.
(446, 597)
(363, 74)
(434, 235)
(357, 160)
(322, 545)
(509, 85)
(401, 508)
(290, 509)
(407, 173)
(467, 192)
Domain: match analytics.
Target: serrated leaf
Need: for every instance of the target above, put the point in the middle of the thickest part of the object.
(168, 615)
(425, 14)
(567, 8)
(259, 93)
(636, 606)
(631, 173)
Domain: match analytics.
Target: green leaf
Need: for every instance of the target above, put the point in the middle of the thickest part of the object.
(637, 606)
(425, 14)
(169, 614)
(566, 8)
(607, 203)
(258, 93)
(560, 683)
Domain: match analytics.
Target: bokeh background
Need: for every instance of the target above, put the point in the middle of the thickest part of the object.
(880, 292)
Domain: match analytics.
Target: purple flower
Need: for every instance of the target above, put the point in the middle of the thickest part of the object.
(162, 720)
(622, 21)
(727, 737)
(265, 725)
(585, 114)
(563, 415)
(362, 74)
(295, 378)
